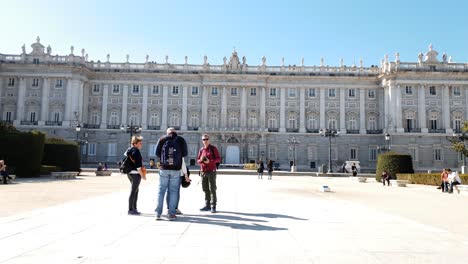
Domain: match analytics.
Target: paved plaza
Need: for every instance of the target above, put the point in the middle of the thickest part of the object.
(285, 220)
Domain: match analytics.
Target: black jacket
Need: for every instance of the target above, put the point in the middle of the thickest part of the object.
(135, 154)
(179, 140)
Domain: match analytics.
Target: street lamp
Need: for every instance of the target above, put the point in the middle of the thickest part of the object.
(131, 129)
(387, 140)
(77, 129)
(329, 133)
(293, 142)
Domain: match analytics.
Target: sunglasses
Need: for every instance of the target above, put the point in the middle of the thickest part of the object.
(205, 139)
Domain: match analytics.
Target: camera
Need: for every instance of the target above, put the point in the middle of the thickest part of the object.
(204, 159)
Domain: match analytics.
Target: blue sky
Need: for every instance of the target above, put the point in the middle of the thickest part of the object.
(290, 29)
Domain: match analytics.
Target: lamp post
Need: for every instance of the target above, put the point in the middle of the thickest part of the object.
(293, 142)
(462, 137)
(329, 133)
(131, 129)
(387, 140)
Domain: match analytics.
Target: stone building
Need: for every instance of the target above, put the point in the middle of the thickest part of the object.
(251, 112)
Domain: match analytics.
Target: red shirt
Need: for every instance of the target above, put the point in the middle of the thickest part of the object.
(211, 152)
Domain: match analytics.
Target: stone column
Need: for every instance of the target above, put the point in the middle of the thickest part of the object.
(165, 91)
(68, 103)
(44, 102)
(342, 110)
(422, 109)
(243, 107)
(184, 107)
(124, 104)
(446, 110)
(85, 116)
(80, 94)
(398, 111)
(302, 96)
(282, 92)
(322, 108)
(224, 105)
(466, 105)
(21, 101)
(144, 110)
(362, 111)
(262, 125)
(205, 93)
(105, 100)
(387, 108)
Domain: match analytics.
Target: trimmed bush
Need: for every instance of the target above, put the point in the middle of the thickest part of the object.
(47, 169)
(62, 153)
(393, 163)
(250, 166)
(22, 151)
(427, 179)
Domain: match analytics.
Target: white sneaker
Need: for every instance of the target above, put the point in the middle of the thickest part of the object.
(178, 212)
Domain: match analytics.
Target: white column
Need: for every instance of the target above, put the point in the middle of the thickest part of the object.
(184, 107)
(302, 128)
(144, 110)
(80, 93)
(20, 103)
(205, 93)
(165, 91)
(446, 110)
(342, 110)
(262, 125)
(85, 116)
(68, 103)
(386, 108)
(44, 102)
(397, 109)
(466, 105)
(243, 108)
(322, 108)
(124, 104)
(362, 111)
(282, 109)
(105, 100)
(224, 108)
(422, 109)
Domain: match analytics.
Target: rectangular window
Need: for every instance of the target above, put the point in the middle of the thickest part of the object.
(136, 89)
(253, 91)
(214, 90)
(311, 92)
(234, 91)
(32, 116)
(96, 88)
(456, 91)
(35, 61)
(371, 93)
(152, 150)
(92, 149)
(35, 83)
(273, 92)
(11, 81)
(194, 90)
(372, 154)
(8, 116)
(112, 150)
(59, 83)
(438, 154)
(292, 92)
(331, 92)
(352, 93)
(116, 89)
(433, 124)
(353, 154)
(175, 90)
(409, 90)
(432, 90)
(155, 90)
(57, 117)
(272, 152)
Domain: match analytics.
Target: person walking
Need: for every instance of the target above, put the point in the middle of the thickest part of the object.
(170, 150)
(385, 178)
(270, 169)
(207, 158)
(135, 174)
(260, 169)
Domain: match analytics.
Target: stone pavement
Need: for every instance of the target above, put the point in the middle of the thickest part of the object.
(286, 220)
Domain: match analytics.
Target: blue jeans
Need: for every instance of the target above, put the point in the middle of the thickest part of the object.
(169, 181)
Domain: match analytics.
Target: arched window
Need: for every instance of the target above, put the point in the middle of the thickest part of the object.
(292, 121)
(332, 122)
(174, 120)
(194, 120)
(114, 118)
(94, 118)
(433, 120)
(272, 121)
(233, 120)
(312, 122)
(213, 120)
(252, 120)
(154, 119)
(372, 123)
(410, 123)
(134, 120)
(457, 123)
(352, 123)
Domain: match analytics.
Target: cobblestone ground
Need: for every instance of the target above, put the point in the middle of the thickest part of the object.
(285, 220)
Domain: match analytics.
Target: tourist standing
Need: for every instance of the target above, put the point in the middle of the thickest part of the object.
(260, 169)
(170, 150)
(385, 178)
(207, 157)
(354, 169)
(270, 169)
(136, 173)
(444, 181)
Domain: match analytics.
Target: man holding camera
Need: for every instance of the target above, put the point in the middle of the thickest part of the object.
(208, 157)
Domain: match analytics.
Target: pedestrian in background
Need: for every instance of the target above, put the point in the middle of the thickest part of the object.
(270, 169)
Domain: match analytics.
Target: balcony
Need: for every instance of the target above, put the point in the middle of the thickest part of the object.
(273, 129)
(413, 130)
(441, 131)
(154, 128)
(10, 122)
(457, 130)
(192, 128)
(352, 131)
(91, 126)
(113, 127)
(53, 123)
(292, 130)
(375, 131)
(28, 123)
(312, 130)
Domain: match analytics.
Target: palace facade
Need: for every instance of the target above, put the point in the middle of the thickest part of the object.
(251, 112)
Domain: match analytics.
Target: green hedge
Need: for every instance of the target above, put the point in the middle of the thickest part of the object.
(22, 151)
(427, 179)
(62, 153)
(47, 169)
(393, 163)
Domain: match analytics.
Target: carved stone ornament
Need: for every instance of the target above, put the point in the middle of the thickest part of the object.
(431, 55)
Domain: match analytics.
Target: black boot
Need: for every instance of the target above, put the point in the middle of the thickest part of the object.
(206, 208)
(213, 209)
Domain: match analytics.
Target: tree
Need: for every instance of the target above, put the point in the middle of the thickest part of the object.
(458, 142)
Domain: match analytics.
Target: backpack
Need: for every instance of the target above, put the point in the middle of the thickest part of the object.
(171, 154)
(126, 164)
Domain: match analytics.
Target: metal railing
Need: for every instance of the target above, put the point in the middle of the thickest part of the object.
(53, 123)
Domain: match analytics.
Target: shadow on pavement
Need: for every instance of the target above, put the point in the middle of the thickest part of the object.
(265, 215)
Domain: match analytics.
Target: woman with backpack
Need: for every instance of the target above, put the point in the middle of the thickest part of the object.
(260, 169)
(137, 171)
